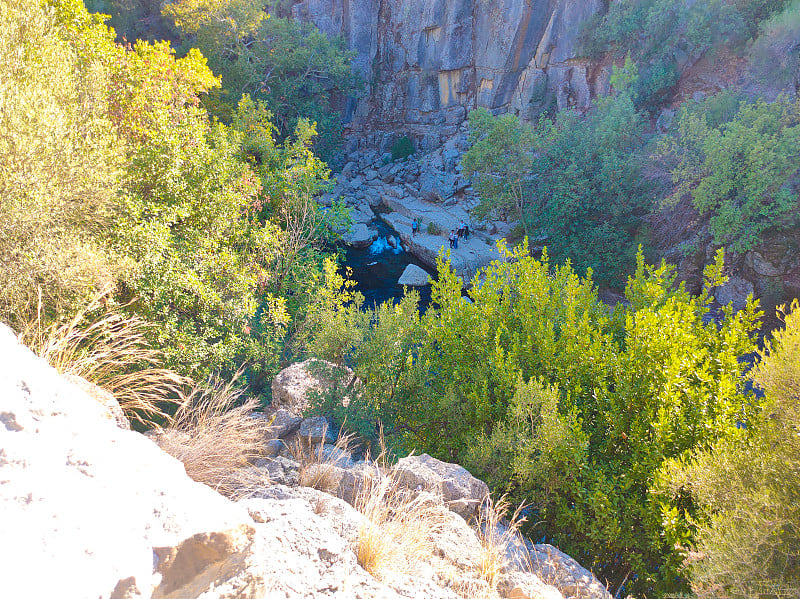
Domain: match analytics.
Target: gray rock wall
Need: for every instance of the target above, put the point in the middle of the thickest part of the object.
(427, 63)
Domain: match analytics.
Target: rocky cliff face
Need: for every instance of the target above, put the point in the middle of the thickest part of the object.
(427, 63)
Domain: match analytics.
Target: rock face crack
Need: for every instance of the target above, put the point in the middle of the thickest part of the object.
(428, 63)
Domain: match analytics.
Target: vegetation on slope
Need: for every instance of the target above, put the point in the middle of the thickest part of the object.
(113, 173)
(571, 406)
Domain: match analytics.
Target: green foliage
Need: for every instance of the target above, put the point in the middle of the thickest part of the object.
(678, 33)
(500, 159)
(541, 389)
(576, 182)
(747, 489)
(290, 65)
(743, 173)
(403, 147)
(775, 54)
(589, 189)
(57, 160)
(433, 229)
(134, 20)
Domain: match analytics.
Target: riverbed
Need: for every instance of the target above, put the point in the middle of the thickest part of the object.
(376, 269)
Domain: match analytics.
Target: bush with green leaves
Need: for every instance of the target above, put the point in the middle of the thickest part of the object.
(403, 147)
(576, 181)
(118, 176)
(774, 58)
(746, 489)
(743, 173)
(58, 161)
(538, 387)
(288, 64)
(678, 33)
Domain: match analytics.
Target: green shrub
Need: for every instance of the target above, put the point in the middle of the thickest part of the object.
(584, 188)
(742, 173)
(58, 159)
(747, 489)
(537, 387)
(775, 56)
(433, 229)
(403, 147)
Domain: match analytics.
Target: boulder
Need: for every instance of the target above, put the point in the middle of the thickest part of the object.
(734, 291)
(104, 509)
(104, 398)
(414, 276)
(462, 492)
(292, 384)
(280, 470)
(559, 570)
(282, 422)
(359, 236)
(316, 430)
(391, 240)
(349, 170)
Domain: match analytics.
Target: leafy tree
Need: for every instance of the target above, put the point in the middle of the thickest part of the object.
(743, 173)
(290, 65)
(545, 392)
(576, 182)
(500, 158)
(58, 160)
(589, 189)
(219, 222)
(747, 489)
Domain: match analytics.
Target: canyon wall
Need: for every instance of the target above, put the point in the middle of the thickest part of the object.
(425, 64)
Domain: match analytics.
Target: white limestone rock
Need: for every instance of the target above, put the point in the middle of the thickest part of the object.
(414, 276)
(292, 384)
(461, 491)
(91, 510)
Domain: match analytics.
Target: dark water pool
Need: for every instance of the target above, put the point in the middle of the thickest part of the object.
(377, 268)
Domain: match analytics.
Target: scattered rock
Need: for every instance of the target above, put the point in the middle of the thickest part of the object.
(280, 470)
(316, 430)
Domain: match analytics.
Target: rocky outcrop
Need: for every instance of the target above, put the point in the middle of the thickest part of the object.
(90, 509)
(427, 63)
(462, 492)
(93, 510)
(291, 386)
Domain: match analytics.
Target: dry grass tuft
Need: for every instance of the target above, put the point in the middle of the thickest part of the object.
(111, 351)
(318, 462)
(216, 439)
(497, 535)
(398, 532)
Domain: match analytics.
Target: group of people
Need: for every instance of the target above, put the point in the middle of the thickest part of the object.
(462, 232)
